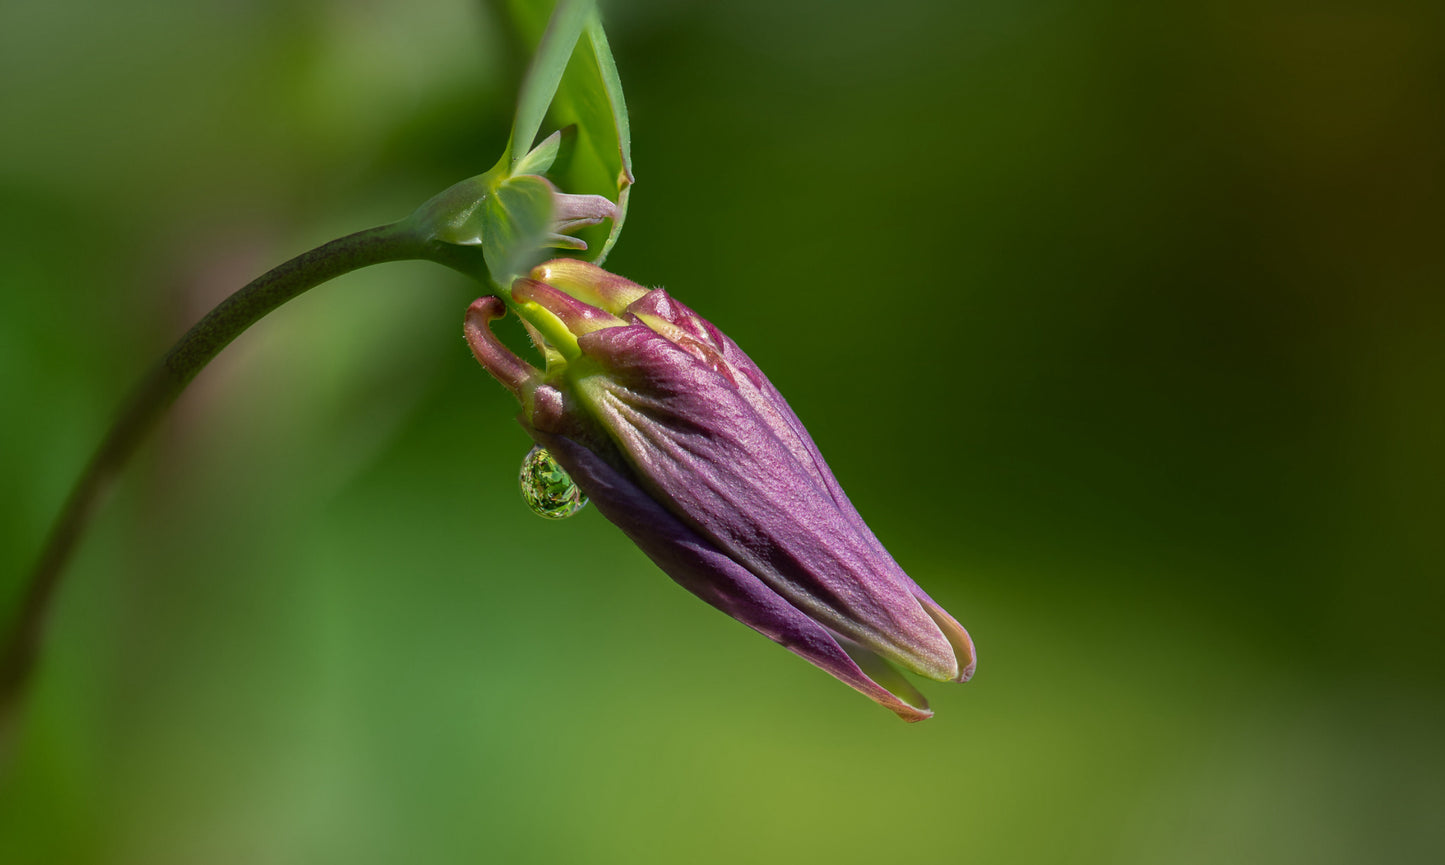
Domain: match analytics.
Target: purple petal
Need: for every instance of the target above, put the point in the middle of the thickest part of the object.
(705, 453)
(707, 572)
(577, 316)
(513, 372)
(773, 409)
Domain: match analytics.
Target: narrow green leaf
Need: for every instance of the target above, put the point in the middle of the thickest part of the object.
(540, 160)
(596, 152)
(548, 64)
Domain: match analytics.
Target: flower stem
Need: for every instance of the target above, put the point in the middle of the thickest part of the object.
(155, 394)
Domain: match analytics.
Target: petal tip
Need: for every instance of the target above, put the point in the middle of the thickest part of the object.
(967, 672)
(963, 655)
(913, 714)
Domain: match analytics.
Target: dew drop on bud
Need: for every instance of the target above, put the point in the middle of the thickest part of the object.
(547, 488)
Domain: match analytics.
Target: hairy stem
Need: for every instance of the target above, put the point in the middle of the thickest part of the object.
(155, 394)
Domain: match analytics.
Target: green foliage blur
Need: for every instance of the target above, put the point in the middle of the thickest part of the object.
(1121, 326)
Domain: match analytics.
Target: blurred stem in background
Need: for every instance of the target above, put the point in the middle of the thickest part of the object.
(155, 394)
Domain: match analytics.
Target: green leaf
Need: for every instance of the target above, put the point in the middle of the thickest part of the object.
(515, 222)
(548, 64)
(596, 152)
(572, 84)
(540, 160)
(586, 105)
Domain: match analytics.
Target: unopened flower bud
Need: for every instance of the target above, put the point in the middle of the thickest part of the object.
(682, 442)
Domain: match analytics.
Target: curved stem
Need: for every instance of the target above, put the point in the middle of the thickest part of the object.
(157, 391)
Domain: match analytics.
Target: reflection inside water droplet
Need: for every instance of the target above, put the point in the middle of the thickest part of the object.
(547, 488)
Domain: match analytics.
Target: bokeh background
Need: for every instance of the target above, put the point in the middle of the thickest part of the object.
(1122, 326)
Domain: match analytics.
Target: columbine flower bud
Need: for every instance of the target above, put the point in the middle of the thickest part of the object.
(682, 442)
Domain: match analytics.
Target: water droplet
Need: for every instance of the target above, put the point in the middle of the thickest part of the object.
(547, 488)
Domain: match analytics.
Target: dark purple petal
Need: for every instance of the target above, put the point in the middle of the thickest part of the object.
(707, 455)
(713, 576)
(772, 409)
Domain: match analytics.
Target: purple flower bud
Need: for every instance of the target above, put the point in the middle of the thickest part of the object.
(682, 442)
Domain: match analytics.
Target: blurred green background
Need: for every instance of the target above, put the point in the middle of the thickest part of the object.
(1122, 327)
